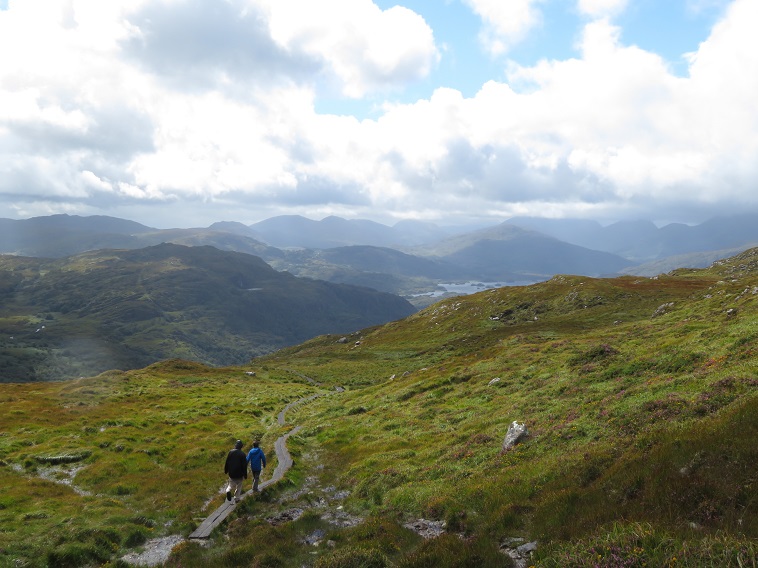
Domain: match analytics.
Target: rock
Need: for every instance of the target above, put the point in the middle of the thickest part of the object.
(519, 553)
(156, 551)
(493, 381)
(526, 549)
(426, 529)
(342, 340)
(515, 435)
(315, 537)
(663, 309)
(285, 517)
(341, 518)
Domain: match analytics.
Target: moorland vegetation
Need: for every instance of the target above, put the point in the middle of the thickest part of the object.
(640, 396)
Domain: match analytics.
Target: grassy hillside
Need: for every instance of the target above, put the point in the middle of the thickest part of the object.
(90, 466)
(640, 396)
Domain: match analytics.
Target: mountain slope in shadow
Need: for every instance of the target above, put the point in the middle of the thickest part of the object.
(128, 308)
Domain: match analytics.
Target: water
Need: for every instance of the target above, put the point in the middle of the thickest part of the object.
(471, 287)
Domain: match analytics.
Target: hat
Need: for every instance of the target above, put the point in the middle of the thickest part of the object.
(238, 444)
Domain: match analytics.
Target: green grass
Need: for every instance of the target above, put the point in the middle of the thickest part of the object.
(133, 451)
(641, 451)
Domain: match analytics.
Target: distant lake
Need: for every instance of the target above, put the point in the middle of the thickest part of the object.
(471, 287)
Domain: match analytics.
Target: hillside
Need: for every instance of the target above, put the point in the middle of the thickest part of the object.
(639, 394)
(331, 232)
(383, 269)
(507, 252)
(124, 309)
(63, 235)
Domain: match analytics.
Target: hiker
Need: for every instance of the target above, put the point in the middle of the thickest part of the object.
(257, 459)
(236, 468)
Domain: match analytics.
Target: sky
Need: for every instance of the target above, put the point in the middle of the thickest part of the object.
(181, 113)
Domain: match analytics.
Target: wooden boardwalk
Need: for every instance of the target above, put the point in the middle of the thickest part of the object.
(217, 517)
(284, 463)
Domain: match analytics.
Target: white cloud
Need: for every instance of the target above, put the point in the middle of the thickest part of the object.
(103, 105)
(698, 6)
(365, 47)
(614, 128)
(602, 8)
(506, 22)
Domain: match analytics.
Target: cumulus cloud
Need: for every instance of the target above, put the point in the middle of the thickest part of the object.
(196, 45)
(613, 128)
(210, 106)
(364, 47)
(505, 23)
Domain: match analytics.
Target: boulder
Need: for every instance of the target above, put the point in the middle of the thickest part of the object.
(518, 551)
(515, 435)
(663, 309)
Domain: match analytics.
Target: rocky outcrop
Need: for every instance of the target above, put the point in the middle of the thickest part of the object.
(518, 550)
(516, 434)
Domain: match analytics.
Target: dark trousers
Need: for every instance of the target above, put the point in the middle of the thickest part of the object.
(256, 479)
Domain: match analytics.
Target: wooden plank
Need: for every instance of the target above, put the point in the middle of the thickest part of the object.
(213, 520)
(285, 462)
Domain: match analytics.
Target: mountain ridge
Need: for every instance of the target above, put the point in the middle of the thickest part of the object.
(492, 254)
(124, 309)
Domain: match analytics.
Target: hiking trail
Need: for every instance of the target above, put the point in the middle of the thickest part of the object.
(284, 460)
(158, 550)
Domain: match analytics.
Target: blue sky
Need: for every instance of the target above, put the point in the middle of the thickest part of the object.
(186, 112)
(669, 28)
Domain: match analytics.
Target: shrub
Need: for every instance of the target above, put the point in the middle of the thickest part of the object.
(75, 554)
(449, 551)
(136, 537)
(352, 557)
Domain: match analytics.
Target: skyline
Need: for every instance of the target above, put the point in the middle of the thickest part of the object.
(179, 113)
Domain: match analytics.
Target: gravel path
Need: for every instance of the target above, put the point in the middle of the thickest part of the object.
(156, 551)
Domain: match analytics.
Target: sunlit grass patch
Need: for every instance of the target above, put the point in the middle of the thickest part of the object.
(147, 443)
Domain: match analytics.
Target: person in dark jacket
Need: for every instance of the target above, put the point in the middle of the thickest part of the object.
(236, 468)
(257, 459)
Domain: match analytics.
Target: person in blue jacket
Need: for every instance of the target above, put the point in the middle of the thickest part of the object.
(257, 459)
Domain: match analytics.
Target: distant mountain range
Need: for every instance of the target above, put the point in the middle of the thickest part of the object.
(79, 295)
(642, 241)
(411, 258)
(100, 310)
(331, 232)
